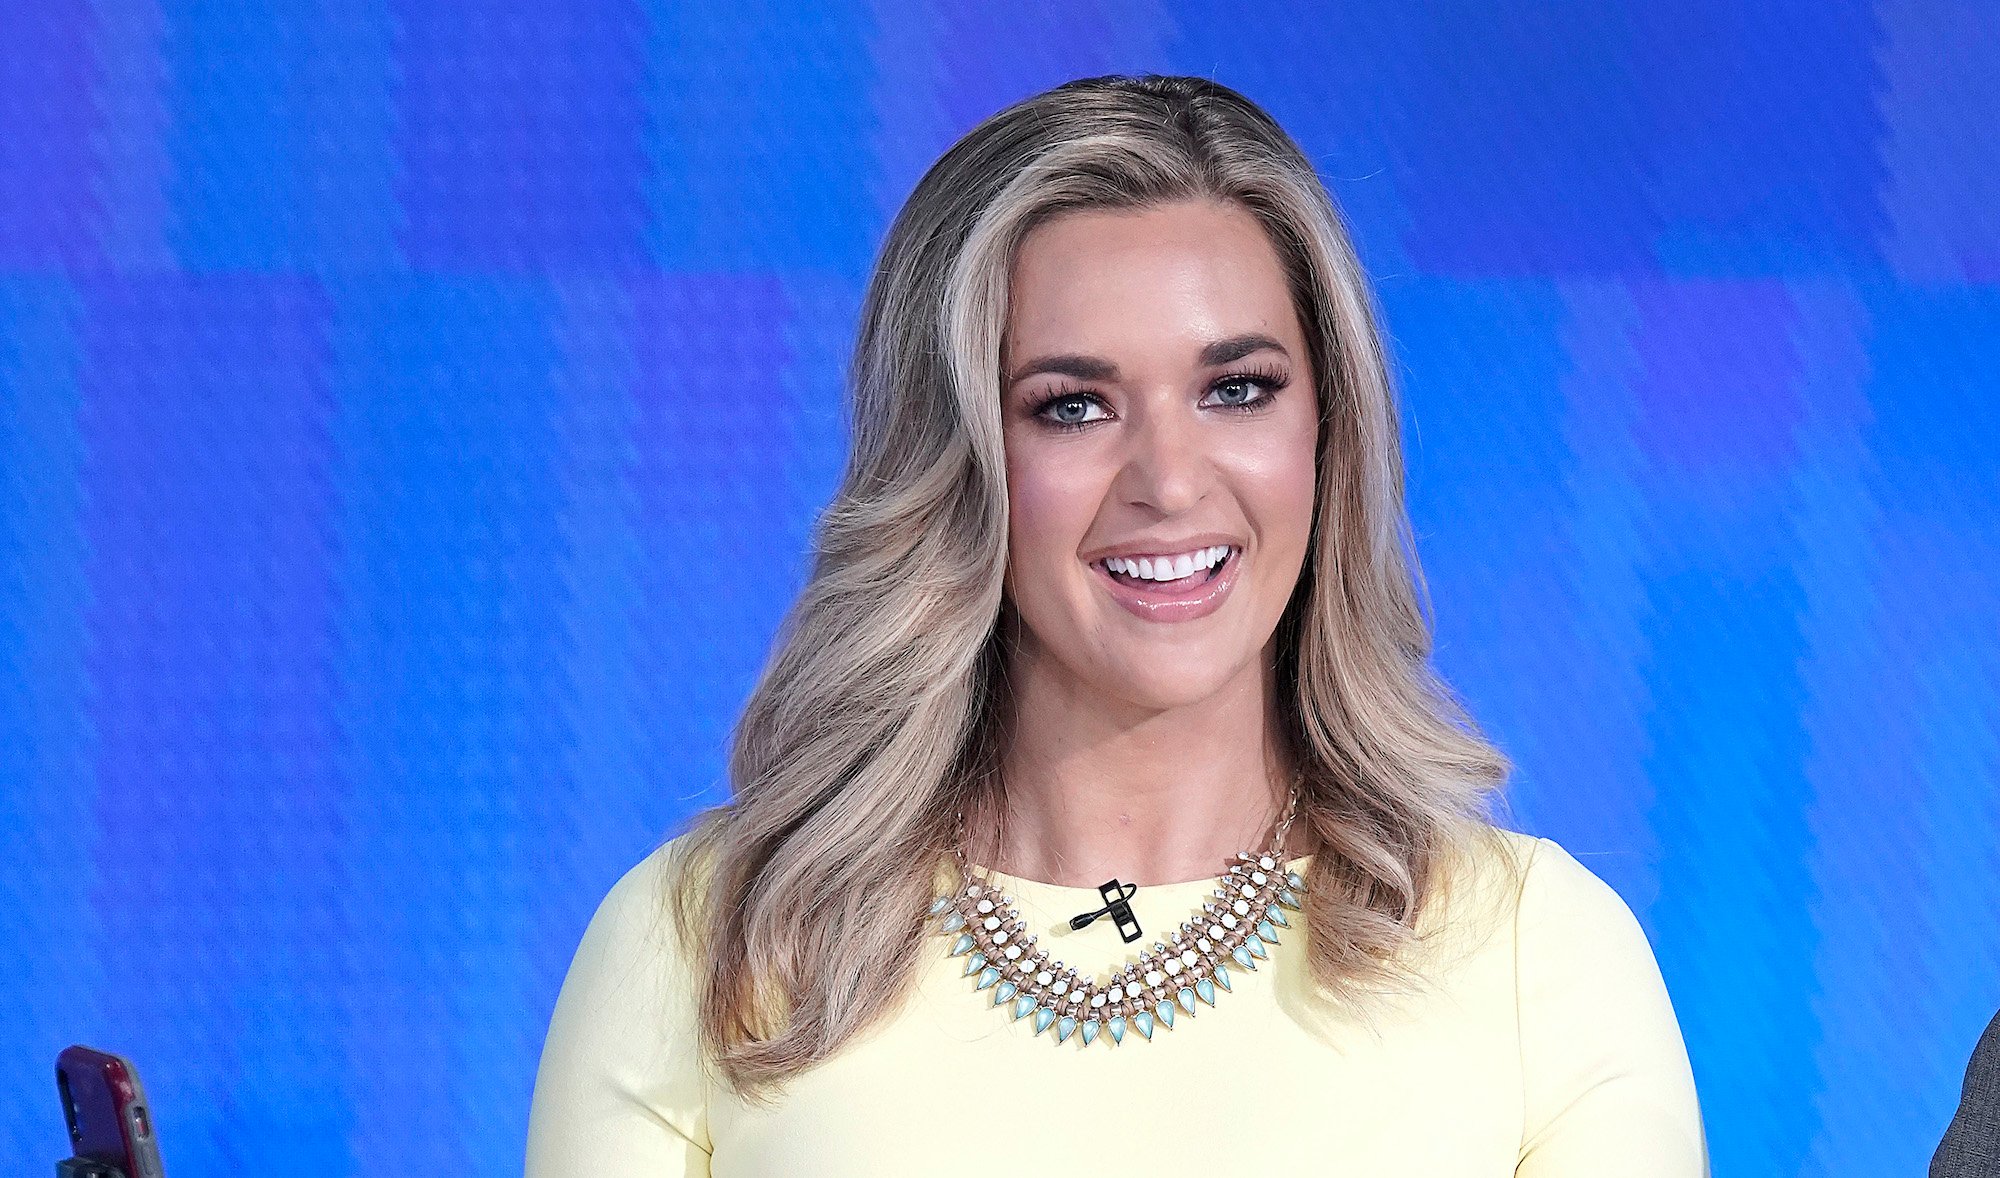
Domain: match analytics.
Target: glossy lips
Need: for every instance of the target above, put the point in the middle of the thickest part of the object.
(1173, 603)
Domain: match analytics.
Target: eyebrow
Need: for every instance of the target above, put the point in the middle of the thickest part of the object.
(1082, 367)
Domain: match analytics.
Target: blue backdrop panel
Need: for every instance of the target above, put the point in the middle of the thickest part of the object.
(412, 418)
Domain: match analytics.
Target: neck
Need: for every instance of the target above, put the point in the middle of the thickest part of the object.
(1096, 787)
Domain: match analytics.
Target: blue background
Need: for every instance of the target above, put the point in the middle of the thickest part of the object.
(412, 417)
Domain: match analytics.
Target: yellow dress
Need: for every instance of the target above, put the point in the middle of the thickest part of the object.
(1543, 1046)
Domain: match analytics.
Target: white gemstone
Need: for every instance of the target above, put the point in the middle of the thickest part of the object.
(1133, 990)
(1228, 921)
(1266, 863)
(1215, 930)
(1076, 998)
(1154, 977)
(991, 923)
(1013, 952)
(986, 905)
(1173, 966)
(1000, 938)
(1241, 908)
(1044, 978)
(1258, 877)
(1202, 944)
(973, 890)
(1097, 999)
(1248, 891)
(1190, 957)
(1061, 986)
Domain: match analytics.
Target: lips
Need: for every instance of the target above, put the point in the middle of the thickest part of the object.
(1184, 600)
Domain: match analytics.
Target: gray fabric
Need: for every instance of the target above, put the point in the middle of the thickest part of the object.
(1971, 1145)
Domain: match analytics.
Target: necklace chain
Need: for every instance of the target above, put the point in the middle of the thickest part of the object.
(1235, 926)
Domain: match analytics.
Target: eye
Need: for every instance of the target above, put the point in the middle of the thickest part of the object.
(1246, 391)
(1070, 410)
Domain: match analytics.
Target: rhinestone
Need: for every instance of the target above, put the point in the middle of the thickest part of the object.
(1061, 986)
(1154, 977)
(1204, 944)
(1173, 965)
(1190, 957)
(986, 905)
(1215, 930)
(990, 923)
(1258, 877)
(1013, 952)
(1000, 938)
(1248, 891)
(1228, 921)
(1097, 1000)
(1240, 908)
(1044, 978)
(1076, 998)
(1267, 863)
(1133, 990)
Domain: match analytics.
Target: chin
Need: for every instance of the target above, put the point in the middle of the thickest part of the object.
(1143, 686)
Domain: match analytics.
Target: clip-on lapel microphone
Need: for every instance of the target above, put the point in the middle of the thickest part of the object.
(1118, 906)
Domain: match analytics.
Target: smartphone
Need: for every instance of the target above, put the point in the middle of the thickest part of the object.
(107, 1113)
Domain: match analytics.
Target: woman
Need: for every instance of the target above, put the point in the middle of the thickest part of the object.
(1117, 587)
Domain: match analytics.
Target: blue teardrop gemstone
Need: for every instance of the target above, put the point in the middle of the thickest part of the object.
(1065, 1027)
(953, 923)
(1276, 915)
(1288, 900)
(1265, 931)
(1143, 1023)
(940, 904)
(1222, 977)
(1043, 1017)
(1022, 1006)
(1297, 881)
(963, 944)
(1255, 944)
(1089, 1031)
(1002, 992)
(1205, 989)
(974, 964)
(1186, 997)
(1117, 1028)
(1165, 1011)
(1243, 958)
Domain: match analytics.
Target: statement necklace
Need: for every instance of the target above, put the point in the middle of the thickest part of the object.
(1236, 925)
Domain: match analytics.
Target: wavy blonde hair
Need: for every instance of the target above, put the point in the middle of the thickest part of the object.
(878, 714)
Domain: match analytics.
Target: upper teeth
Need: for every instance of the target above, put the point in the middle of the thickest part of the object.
(1168, 568)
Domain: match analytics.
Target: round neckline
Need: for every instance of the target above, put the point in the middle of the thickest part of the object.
(1067, 893)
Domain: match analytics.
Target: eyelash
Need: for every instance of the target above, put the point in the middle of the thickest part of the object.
(1270, 380)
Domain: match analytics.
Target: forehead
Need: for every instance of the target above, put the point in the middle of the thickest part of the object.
(1189, 271)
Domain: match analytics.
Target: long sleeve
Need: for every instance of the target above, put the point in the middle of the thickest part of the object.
(1607, 1083)
(619, 1089)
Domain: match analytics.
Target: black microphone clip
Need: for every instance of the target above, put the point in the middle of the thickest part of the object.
(1118, 906)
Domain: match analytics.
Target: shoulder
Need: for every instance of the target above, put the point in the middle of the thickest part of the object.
(1562, 902)
(621, 1058)
(1567, 925)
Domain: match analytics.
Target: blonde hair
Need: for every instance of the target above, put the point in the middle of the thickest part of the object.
(876, 717)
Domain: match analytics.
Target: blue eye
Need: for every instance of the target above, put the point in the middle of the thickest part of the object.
(1257, 390)
(1070, 410)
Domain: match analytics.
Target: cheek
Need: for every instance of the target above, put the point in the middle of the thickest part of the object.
(1278, 483)
(1049, 505)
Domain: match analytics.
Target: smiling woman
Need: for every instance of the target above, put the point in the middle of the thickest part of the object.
(1115, 613)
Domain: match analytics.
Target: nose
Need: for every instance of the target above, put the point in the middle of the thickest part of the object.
(1166, 466)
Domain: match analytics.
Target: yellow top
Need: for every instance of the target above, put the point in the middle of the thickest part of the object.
(1545, 1046)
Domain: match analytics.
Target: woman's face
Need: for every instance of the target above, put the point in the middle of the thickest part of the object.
(1159, 417)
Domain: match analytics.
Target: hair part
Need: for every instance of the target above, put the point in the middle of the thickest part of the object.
(876, 718)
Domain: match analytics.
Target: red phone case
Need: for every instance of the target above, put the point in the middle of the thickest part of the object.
(106, 1110)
